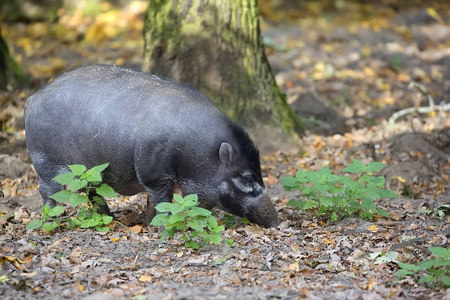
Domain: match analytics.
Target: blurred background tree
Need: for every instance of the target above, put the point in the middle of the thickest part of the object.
(9, 69)
(217, 47)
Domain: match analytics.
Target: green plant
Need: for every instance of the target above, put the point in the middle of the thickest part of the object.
(231, 221)
(435, 270)
(384, 257)
(184, 215)
(48, 222)
(339, 196)
(79, 179)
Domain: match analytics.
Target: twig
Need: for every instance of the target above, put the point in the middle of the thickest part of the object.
(66, 217)
(126, 228)
(422, 110)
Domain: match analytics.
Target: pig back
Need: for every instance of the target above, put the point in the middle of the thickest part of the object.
(100, 114)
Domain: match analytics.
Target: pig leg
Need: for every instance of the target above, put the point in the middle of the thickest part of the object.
(156, 195)
(48, 188)
(46, 170)
(103, 208)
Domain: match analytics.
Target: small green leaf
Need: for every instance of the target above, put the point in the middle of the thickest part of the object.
(445, 280)
(216, 239)
(176, 218)
(218, 229)
(325, 172)
(49, 226)
(195, 225)
(439, 251)
(100, 168)
(94, 174)
(313, 176)
(300, 174)
(165, 206)
(64, 179)
(191, 200)
(106, 219)
(198, 211)
(288, 181)
(192, 244)
(222, 259)
(163, 236)
(176, 208)
(77, 199)
(62, 196)
(426, 279)
(378, 181)
(102, 228)
(93, 177)
(178, 199)
(230, 242)
(382, 213)
(355, 166)
(408, 267)
(309, 204)
(160, 219)
(403, 272)
(35, 224)
(89, 223)
(390, 256)
(387, 193)
(212, 222)
(294, 203)
(106, 191)
(325, 201)
(56, 211)
(77, 184)
(376, 166)
(99, 201)
(77, 169)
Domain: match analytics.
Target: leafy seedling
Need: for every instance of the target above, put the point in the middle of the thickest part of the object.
(434, 271)
(82, 182)
(194, 223)
(339, 196)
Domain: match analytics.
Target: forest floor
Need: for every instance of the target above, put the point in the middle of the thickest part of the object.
(345, 73)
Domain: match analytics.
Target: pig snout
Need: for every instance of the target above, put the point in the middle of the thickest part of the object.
(264, 213)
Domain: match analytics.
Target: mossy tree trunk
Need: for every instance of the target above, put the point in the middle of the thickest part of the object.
(9, 69)
(216, 46)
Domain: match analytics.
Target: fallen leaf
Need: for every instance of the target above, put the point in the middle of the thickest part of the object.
(294, 267)
(49, 261)
(372, 228)
(136, 229)
(145, 278)
(271, 180)
(17, 262)
(401, 179)
(372, 282)
(103, 280)
(394, 216)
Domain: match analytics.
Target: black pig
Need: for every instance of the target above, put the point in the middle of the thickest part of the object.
(154, 133)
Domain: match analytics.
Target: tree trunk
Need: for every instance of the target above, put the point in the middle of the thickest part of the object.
(216, 46)
(9, 69)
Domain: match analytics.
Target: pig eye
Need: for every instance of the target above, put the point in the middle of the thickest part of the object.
(243, 184)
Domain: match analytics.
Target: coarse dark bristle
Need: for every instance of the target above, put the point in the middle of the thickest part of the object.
(247, 147)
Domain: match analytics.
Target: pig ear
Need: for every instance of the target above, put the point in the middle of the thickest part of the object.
(226, 153)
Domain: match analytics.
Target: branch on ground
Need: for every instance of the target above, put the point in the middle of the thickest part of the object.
(423, 110)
